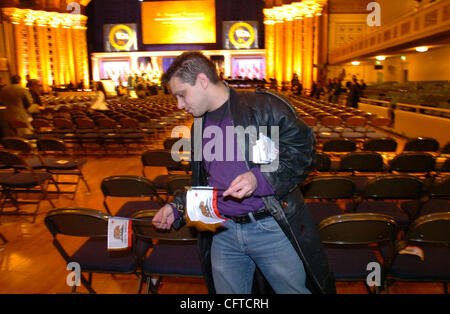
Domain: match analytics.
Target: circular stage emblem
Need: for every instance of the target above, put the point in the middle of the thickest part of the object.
(241, 35)
(121, 37)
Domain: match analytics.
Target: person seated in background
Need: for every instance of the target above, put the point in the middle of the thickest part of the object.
(100, 97)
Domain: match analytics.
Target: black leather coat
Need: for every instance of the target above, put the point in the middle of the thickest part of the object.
(296, 152)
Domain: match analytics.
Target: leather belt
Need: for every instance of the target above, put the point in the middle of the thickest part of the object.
(245, 218)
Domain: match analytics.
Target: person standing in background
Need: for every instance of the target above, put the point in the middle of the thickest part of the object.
(17, 99)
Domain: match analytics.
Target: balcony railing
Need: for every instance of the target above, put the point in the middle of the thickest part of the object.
(429, 21)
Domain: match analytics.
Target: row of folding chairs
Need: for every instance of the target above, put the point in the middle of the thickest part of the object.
(403, 197)
(133, 197)
(364, 247)
(353, 244)
(384, 144)
(27, 169)
(165, 248)
(366, 162)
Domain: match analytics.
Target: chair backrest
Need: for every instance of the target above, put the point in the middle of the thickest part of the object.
(63, 123)
(85, 123)
(446, 149)
(106, 123)
(128, 122)
(339, 145)
(159, 158)
(81, 222)
(364, 228)
(441, 188)
(432, 228)
(362, 162)
(381, 121)
(309, 120)
(380, 145)
(354, 121)
(446, 166)
(17, 143)
(128, 186)
(331, 121)
(51, 144)
(328, 187)
(39, 123)
(322, 162)
(422, 144)
(394, 187)
(143, 228)
(177, 184)
(413, 162)
(11, 160)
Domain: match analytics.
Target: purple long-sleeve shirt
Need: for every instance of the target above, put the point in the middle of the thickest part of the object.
(224, 166)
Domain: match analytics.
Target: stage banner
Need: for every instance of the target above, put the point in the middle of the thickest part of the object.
(120, 37)
(240, 34)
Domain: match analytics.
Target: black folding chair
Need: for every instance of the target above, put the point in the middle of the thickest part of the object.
(174, 254)
(162, 159)
(322, 162)
(21, 179)
(92, 256)
(127, 187)
(176, 185)
(353, 242)
(323, 193)
(63, 163)
(23, 145)
(424, 255)
(383, 194)
(436, 199)
(421, 144)
(339, 146)
(413, 163)
(386, 145)
(362, 166)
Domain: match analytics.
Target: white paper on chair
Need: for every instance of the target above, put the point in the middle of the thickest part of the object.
(201, 204)
(119, 233)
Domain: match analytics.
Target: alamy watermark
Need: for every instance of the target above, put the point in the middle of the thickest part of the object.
(263, 143)
(74, 8)
(74, 277)
(374, 277)
(374, 18)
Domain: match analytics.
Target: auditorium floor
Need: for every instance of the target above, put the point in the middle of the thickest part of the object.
(29, 263)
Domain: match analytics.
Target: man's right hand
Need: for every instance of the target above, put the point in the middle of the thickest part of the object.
(164, 218)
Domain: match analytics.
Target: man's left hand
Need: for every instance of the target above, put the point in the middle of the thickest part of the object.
(242, 186)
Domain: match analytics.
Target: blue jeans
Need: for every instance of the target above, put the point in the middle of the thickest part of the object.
(237, 249)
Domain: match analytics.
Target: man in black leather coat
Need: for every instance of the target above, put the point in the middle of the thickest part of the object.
(194, 82)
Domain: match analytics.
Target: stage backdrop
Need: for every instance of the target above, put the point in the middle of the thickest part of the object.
(179, 22)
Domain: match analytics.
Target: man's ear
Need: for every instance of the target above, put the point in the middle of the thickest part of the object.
(203, 80)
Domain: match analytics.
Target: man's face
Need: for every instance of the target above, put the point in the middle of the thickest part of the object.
(190, 98)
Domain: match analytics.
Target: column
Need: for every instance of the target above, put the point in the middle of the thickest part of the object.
(298, 47)
(279, 52)
(316, 24)
(270, 49)
(20, 53)
(44, 57)
(288, 50)
(32, 69)
(308, 53)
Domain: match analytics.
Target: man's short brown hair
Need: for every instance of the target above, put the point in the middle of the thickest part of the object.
(188, 66)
